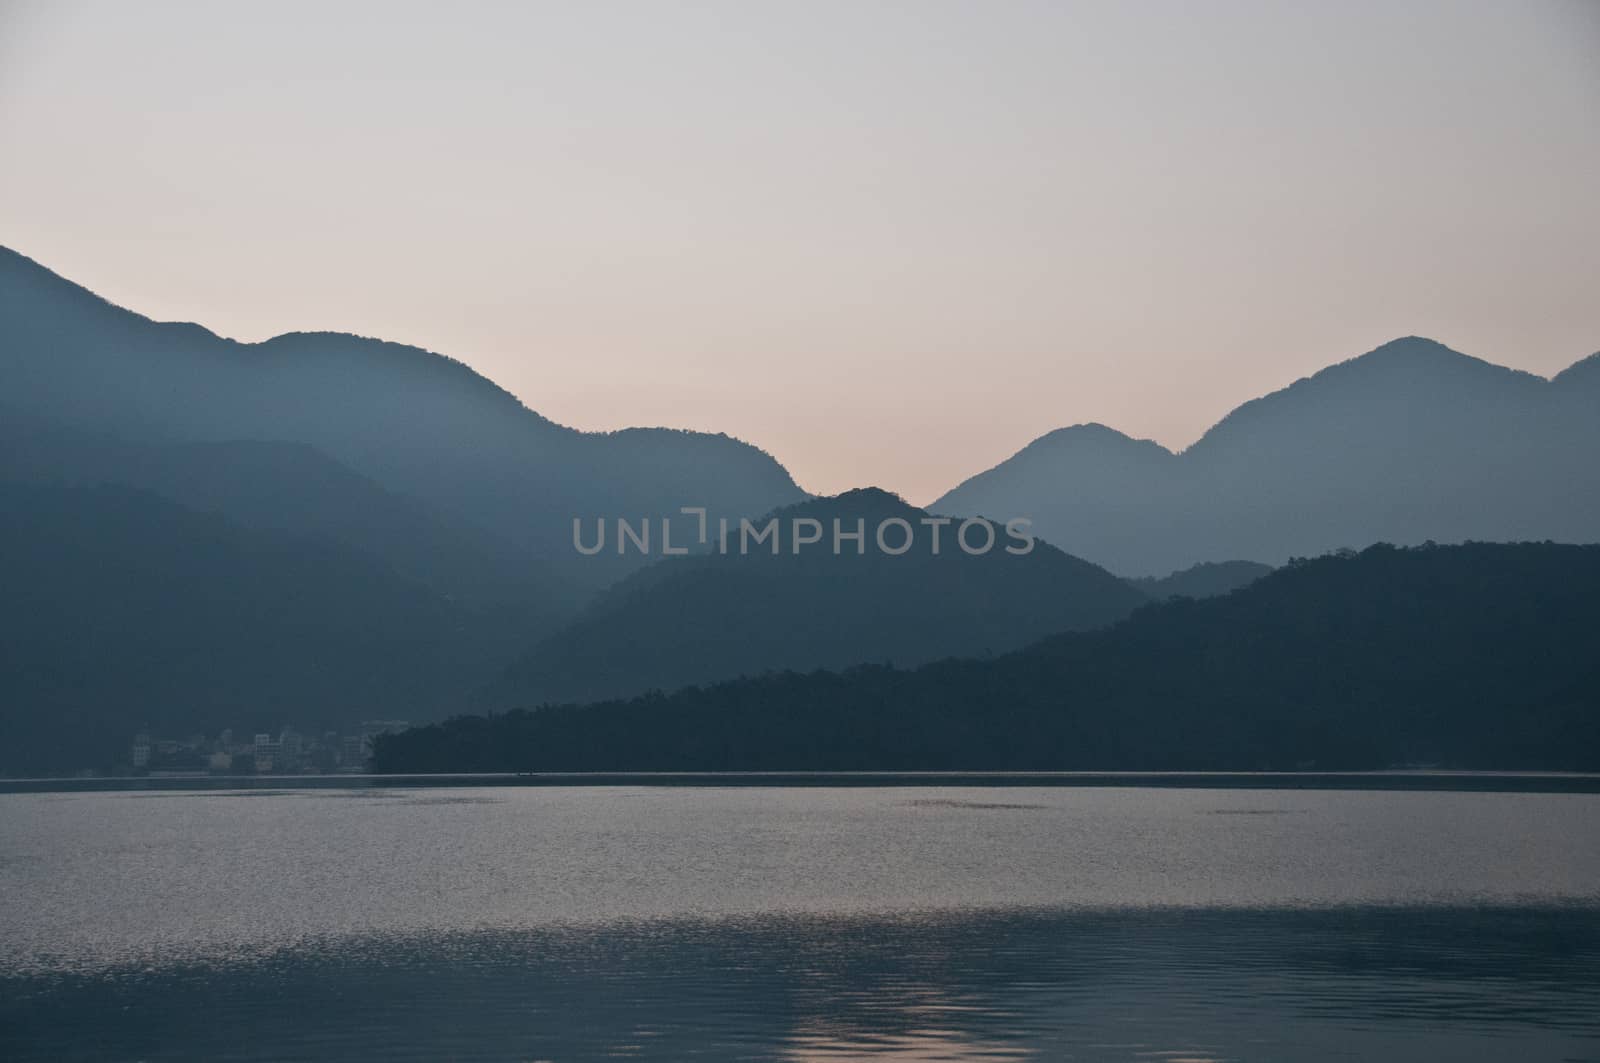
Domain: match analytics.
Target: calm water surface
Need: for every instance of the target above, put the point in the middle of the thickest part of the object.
(800, 923)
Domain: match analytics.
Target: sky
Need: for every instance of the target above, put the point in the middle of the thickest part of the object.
(888, 242)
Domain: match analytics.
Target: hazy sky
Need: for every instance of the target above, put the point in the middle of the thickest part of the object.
(888, 242)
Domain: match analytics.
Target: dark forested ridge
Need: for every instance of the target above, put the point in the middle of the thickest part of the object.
(715, 616)
(1473, 656)
(1407, 443)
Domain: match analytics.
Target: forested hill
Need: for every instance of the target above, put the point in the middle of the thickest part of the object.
(1475, 656)
(710, 616)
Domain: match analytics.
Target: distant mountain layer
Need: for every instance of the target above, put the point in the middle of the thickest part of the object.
(124, 610)
(1408, 443)
(293, 489)
(415, 423)
(1477, 656)
(707, 617)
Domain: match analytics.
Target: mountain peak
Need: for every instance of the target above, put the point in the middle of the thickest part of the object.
(1411, 347)
(869, 496)
(856, 502)
(1091, 433)
(1408, 369)
(1418, 354)
(1098, 451)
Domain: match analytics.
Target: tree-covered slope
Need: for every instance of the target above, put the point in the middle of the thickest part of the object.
(1474, 656)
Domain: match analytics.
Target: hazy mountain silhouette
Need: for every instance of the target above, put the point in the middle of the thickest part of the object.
(706, 617)
(415, 422)
(294, 489)
(322, 528)
(1203, 580)
(122, 609)
(1408, 443)
(1475, 656)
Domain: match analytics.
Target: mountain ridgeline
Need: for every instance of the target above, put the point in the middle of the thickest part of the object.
(412, 422)
(1472, 656)
(317, 529)
(717, 615)
(1408, 443)
(1205, 580)
(198, 533)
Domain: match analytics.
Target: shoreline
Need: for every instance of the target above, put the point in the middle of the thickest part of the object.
(1418, 780)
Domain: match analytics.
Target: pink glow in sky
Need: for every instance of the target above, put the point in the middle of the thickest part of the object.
(889, 242)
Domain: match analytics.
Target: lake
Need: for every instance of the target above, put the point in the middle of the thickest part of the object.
(793, 922)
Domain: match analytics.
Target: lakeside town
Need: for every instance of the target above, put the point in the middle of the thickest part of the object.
(289, 752)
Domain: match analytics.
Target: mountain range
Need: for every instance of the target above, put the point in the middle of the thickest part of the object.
(322, 528)
(1408, 443)
(414, 423)
(319, 528)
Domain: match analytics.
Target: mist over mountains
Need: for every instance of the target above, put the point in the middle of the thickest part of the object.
(1408, 443)
(317, 529)
(296, 490)
(411, 421)
(322, 528)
